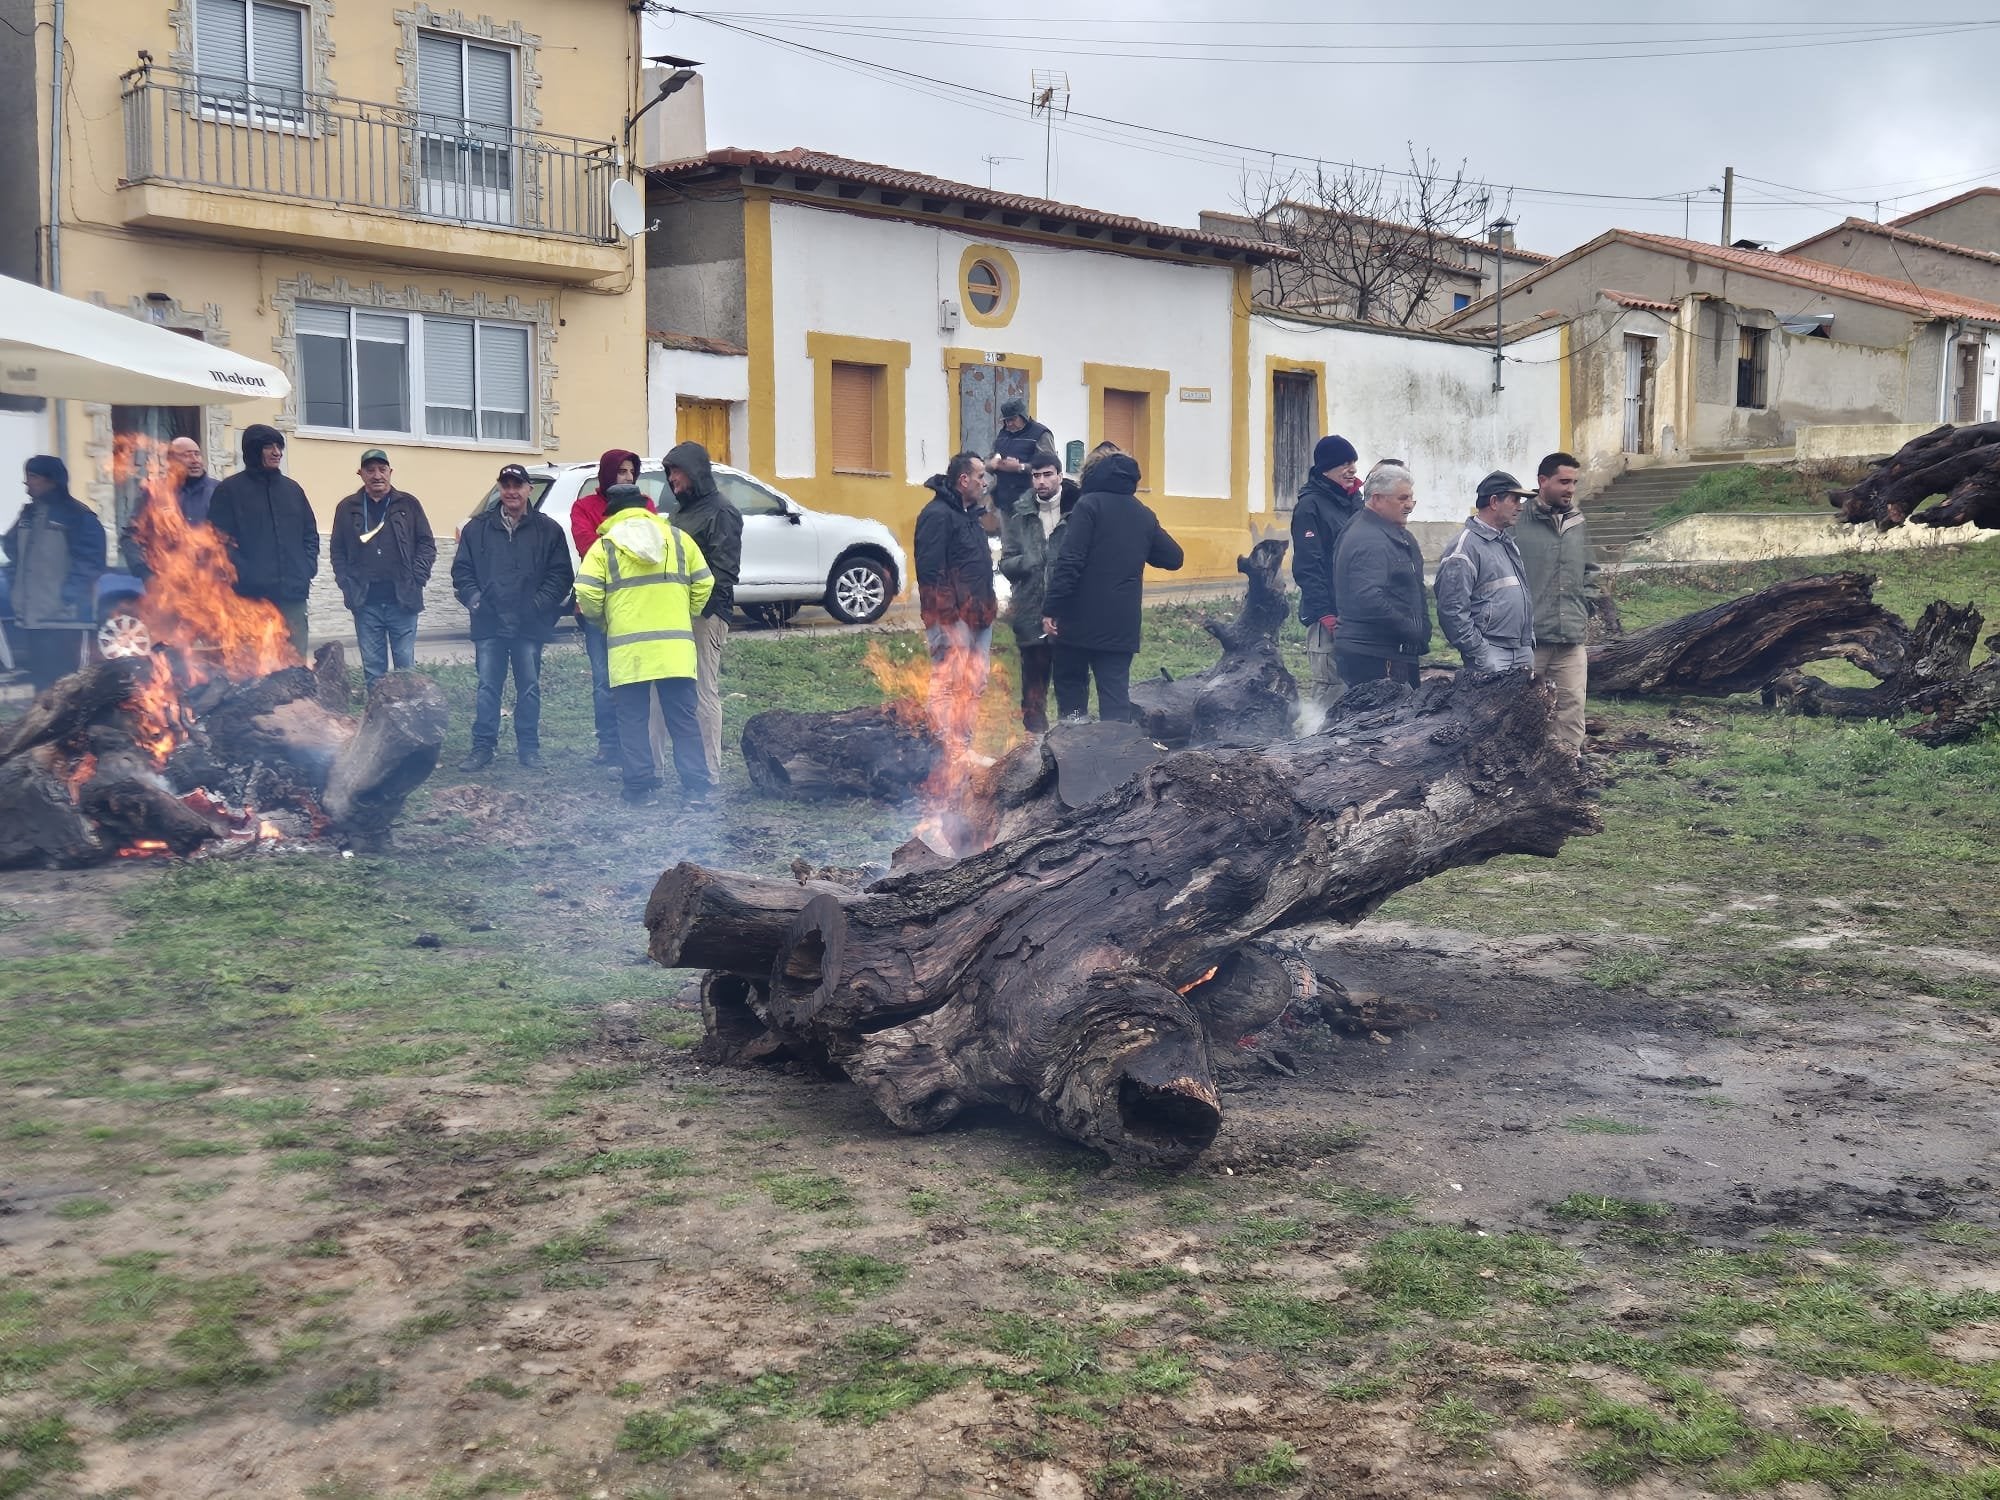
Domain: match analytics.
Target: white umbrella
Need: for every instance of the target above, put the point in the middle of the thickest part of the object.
(56, 346)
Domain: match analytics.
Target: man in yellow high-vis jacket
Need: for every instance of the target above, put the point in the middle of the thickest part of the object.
(643, 583)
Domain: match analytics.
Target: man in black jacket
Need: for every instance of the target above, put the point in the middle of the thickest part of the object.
(1325, 508)
(1378, 576)
(55, 555)
(1097, 586)
(1015, 445)
(512, 573)
(382, 552)
(955, 593)
(268, 524)
(712, 519)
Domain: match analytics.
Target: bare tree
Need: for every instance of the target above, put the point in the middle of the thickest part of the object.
(1376, 246)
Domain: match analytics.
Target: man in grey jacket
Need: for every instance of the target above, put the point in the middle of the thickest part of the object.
(1563, 578)
(1482, 584)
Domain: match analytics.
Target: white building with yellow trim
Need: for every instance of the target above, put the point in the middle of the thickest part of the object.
(403, 205)
(842, 328)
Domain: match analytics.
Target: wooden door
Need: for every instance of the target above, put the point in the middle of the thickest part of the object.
(704, 422)
(1294, 418)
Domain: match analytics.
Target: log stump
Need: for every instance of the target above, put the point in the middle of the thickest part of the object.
(862, 752)
(1080, 972)
(1248, 696)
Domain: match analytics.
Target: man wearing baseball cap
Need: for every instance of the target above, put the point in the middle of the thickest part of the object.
(1482, 584)
(383, 552)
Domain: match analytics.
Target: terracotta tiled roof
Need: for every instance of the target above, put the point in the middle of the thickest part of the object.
(1905, 236)
(1778, 266)
(694, 343)
(801, 161)
(1639, 304)
(1967, 195)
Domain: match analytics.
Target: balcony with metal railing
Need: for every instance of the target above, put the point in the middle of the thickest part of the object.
(232, 159)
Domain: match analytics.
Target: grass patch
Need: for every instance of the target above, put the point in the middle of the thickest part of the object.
(1454, 1273)
(1461, 1425)
(844, 1277)
(1598, 1125)
(1696, 1427)
(809, 1192)
(1591, 1208)
(82, 1208)
(1281, 1321)
(357, 1392)
(1279, 1465)
(654, 1161)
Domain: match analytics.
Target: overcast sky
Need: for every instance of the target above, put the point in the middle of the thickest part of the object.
(1907, 117)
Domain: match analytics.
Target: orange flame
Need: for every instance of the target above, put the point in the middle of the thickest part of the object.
(967, 704)
(191, 599)
(80, 773)
(144, 849)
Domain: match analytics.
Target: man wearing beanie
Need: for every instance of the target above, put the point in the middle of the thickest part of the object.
(1482, 584)
(1326, 507)
(1015, 445)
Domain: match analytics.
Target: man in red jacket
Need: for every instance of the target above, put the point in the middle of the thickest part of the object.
(615, 466)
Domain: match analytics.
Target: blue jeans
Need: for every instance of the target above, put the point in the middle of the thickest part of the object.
(385, 631)
(597, 647)
(493, 658)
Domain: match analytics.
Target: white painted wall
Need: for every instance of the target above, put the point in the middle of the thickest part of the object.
(884, 278)
(1423, 400)
(673, 373)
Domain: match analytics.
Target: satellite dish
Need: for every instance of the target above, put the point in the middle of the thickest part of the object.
(628, 209)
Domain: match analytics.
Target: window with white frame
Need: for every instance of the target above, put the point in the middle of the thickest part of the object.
(251, 56)
(413, 374)
(465, 103)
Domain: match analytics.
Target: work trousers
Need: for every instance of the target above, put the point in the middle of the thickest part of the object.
(1326, 688)
(494, 658)
(711, 633)
(1074, 666)
(597, 647)
(385, 632)
(1035, 663)
(676, 696)
(1490, 656)
(1357, 668)
(48, 655)
(296, 626)
(1567, 672)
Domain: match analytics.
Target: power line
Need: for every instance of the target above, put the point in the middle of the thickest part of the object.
(1185, 146)
(1455, 26)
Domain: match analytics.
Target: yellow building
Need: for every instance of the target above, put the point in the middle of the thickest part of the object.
(402, 205)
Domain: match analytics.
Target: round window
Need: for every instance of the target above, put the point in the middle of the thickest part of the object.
(983, 287)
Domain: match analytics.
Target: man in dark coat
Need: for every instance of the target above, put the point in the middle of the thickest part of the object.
(194, 490)
(1097, 586)
(1378, 575)
(1031, 537)
(955, 593)
(1324, 510)
(268, 523)
(55, 554)
(712, 519)
(513, 575)
(382, 552)
(1015, 445)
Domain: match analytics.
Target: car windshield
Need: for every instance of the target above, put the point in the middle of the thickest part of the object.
(653, 482)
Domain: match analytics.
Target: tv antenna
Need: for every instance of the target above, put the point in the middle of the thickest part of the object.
(1048, 97)
(992, 162)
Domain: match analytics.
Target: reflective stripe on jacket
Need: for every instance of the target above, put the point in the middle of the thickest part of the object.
(642, 583)
(1482, 594)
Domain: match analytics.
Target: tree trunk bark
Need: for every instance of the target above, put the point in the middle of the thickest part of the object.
(862, 752)
(1939, 651)
(75, 703)
(1248, 696)
(390, 756)
(40, 823)
(1960, 463)
(1079, 972)
(1741, 646)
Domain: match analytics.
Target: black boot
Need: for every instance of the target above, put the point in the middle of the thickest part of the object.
(479, 759)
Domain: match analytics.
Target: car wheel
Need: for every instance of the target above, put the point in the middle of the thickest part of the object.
(123, 634)
(771, 616)
(858, 593)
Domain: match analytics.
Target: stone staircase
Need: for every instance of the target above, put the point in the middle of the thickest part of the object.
(1623, 511)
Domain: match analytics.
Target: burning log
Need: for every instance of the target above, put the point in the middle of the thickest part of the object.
(1081, 972)
(73, 704)
(40, 822)
(862, 752)
(1960, 463)
(1248, 696)
(1740, 646)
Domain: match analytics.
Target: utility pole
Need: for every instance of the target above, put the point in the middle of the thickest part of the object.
(1728, 204)
(1499, 227)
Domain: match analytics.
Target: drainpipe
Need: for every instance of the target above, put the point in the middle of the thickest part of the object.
(1953, 332)
(55, 197)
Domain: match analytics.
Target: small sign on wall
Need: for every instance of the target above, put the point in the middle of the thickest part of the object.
(995, 357)
(1197, 393)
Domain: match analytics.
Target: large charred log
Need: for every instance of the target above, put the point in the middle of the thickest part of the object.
(1247, 697)
(73, 704)
(392, 754)
(1081, 971)
(40, 823)
(1960, 463)
(1741, 646)
(1939, 651)
(861, 752)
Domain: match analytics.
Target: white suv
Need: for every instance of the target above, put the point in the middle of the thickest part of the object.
(791, 556)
